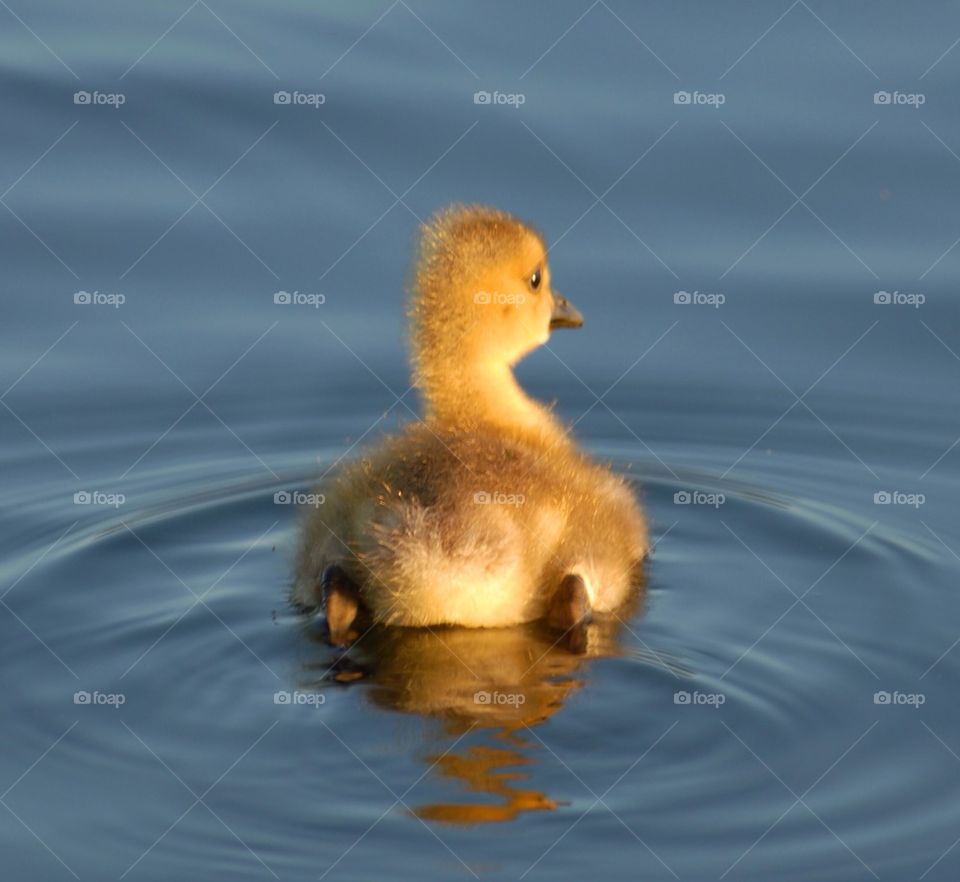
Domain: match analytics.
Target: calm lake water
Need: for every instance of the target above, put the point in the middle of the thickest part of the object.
(754, 205)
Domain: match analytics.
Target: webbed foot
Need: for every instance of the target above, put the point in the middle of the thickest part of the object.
(569, 612)
(342, 603)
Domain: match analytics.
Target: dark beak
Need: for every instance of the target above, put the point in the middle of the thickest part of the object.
(565, 314)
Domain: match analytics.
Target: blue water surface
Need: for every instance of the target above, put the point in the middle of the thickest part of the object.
(755, 207)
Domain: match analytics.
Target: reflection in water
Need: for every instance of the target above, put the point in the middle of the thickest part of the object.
(501, 680)
(490, 771)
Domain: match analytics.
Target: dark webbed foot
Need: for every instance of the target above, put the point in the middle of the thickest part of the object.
(569, 612)
(342, 603)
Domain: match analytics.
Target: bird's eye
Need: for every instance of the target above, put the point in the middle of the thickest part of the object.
(535, 279)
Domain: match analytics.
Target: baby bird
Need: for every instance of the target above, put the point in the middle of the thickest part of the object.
(484, 513)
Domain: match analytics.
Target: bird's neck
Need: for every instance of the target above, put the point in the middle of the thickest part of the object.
(487, 396)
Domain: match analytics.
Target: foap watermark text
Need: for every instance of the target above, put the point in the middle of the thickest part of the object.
(708, 99)
(898, 298)
(96, 298)
(910, 699)
(94, 99)
(897, 497)
(491, 698)
(482, 497)
(298, 497)
(300, 99)
(98, 497)
(511, 99)
(698, 497)
(297, 298)
(314, 699)
(97, 698)
(698, 298)
(710, 699)
(907, 99)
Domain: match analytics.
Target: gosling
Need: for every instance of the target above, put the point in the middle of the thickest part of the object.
(484, 513)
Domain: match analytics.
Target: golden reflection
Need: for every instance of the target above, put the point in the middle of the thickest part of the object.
(486, 770)
(498, 681)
